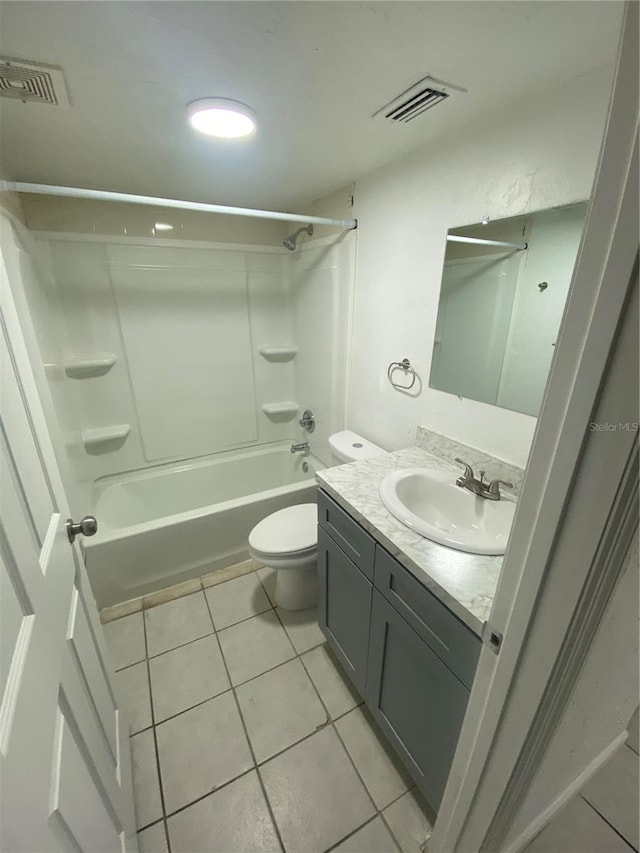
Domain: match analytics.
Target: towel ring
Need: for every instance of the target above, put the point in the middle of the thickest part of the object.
(407, 369)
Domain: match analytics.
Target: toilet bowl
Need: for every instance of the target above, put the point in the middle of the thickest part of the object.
(287, 539)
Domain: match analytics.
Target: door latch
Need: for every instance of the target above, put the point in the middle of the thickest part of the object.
(492, 638)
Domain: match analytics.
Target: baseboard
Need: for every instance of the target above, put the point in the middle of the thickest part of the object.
(538, 824)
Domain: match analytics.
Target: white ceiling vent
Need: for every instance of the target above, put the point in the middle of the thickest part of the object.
(32, 82)
(417, 99)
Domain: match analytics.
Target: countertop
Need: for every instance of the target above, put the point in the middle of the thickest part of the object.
(465, 583)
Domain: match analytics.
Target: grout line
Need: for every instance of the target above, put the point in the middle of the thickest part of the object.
(248, 739)
(332, 721)
(231, 686)
(608, 822)
(362, 826)
(242, 621)
(155, 738)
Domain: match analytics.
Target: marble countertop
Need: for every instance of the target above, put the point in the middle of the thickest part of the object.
(466, 583)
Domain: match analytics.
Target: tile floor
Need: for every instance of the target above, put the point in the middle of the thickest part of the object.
(245, 735)
(604, 817)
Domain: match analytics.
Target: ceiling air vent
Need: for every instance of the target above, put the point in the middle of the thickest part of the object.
(417, 99)
(32, 82)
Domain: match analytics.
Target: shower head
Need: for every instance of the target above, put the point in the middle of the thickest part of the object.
(290, 241)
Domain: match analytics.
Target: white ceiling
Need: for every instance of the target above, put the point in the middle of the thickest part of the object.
(313, 71)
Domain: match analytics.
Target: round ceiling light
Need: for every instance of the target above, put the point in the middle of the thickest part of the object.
(221, 117)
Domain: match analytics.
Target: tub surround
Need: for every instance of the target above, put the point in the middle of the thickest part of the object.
(465, 583)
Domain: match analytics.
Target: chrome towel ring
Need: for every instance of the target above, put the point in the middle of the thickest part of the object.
(408, 371)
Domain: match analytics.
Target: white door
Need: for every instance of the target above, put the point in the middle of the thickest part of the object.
(65, 766)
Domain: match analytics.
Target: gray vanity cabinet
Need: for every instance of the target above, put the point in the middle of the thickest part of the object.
(344, 608)
(417, 701)
(408, 655)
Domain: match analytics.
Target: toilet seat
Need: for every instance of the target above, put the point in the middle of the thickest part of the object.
(288, 533)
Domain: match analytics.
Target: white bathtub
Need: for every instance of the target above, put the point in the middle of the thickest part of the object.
(173, 522)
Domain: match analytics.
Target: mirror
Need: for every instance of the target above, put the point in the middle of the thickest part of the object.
(501, 305)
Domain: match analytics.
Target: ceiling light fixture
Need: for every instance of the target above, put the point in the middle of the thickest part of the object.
(221, 117)
(163, 226)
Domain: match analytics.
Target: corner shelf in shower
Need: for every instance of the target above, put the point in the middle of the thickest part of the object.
(88, 368)
(281, 411)
(283, 353)
(100, 437)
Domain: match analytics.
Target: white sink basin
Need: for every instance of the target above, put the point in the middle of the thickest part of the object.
(429, 502)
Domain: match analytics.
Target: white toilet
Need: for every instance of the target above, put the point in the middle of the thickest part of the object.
(287, 540)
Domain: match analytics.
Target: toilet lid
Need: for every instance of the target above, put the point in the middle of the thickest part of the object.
(286, 531)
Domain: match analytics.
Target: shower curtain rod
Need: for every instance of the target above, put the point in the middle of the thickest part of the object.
(520, 246)
(103, 195)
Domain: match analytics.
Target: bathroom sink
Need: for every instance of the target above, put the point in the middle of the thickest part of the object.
(429, 502)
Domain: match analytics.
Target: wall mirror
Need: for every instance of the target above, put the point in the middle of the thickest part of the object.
(504, 286)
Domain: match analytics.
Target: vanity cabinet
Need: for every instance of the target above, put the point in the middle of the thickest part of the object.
(410, 658)
(416, 700)
(344, 608)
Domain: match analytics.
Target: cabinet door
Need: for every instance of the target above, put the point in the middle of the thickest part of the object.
(344, 608)
(416, 699)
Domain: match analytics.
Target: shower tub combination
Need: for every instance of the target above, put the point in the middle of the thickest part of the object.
(167, 524)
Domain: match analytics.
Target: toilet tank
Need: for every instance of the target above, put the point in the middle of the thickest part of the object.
(348, 446)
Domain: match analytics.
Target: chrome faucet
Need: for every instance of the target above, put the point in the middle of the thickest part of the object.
(489, 491)
(300, 448)
(307, 421)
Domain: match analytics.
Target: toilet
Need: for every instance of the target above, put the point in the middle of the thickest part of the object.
(287, 540)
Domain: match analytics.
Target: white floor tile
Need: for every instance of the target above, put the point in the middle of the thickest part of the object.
(334, 688)
(302, 628)
(233, 820)
(201, 750)
(374, 761)
(372, 838)
(577, 829)
(133, 686)
(408, 821)
(146, 789)
(235, 600)
(279, 709)
(186, 676)
(613, 792)
(177, 622)
(125, 640)
(316, 795)
(153, 839)
(254, 646)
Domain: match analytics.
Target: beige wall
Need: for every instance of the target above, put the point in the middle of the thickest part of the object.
(540, 154)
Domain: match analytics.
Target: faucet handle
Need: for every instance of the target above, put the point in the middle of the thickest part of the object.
(494, 487)
(468, 470)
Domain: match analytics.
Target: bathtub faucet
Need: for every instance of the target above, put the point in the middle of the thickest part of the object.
(302, 447)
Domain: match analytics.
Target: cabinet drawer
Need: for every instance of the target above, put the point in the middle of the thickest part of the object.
(353, 539)
(454, 643)
(344, 608)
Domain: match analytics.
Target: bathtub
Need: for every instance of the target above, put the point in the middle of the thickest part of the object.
(167, 524)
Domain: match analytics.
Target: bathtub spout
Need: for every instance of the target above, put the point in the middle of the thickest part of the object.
(300, 448)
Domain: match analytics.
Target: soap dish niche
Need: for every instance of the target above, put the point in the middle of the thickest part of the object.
(89, 367)
(281, 353)
(280, 412)
(105, 439)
